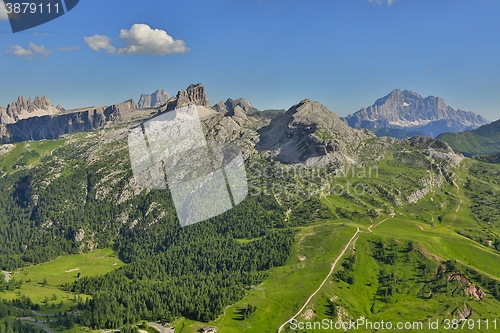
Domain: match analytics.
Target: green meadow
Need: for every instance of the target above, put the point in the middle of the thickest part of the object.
(62, 270)
(28, 154)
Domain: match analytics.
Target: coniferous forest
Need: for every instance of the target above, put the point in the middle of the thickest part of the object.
(58, 207)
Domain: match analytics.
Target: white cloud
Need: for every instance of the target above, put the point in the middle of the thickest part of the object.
(140, 39)
(68, 48)
(379, 2)
(40, 49)
(98, 42)
(20, 52)
(3, 12)
(29, 52)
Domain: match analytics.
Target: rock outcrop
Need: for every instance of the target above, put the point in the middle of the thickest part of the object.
(463, 313)
(407, 113)
(194, 94)
(156, 99)
(470, 289)
(310, 134)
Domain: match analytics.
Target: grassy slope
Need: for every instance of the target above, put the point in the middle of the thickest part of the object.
(361, 299)
(431, 224)
(485, 140)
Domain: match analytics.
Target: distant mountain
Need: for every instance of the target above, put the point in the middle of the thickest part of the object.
(39, 119)
(406, 113)
(484, 140)
(230, 105)
(156, 99)
(273, 113)
(25, 108)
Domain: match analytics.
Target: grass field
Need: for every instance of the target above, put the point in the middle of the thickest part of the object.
(362, 299)
(62, 270)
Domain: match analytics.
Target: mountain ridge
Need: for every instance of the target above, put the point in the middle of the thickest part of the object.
(484, 140)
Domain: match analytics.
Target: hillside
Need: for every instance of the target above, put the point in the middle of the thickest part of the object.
(427, 245)
(406, 113)
(484, 140)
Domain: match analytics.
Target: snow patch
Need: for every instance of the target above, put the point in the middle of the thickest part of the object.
(408, 123)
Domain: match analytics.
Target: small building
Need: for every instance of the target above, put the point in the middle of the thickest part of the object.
(208, 329)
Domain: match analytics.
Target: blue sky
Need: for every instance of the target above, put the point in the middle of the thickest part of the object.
(342, 53)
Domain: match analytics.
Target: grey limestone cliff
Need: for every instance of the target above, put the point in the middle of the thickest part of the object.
(154, 100)
(194, 94)
(232, 105)
(55, 125)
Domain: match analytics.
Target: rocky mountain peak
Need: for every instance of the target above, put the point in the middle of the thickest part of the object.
(25, 108)
(194, 94)
(308, 133)
(153, 100)
(308, 111)
(230, 106)
(118, 112)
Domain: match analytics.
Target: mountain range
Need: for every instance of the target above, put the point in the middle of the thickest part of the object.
(307, 133)
(406, 113)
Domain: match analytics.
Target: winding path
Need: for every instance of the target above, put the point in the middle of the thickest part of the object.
(42, 326)
(324, 281)
(458, 193)
(7, 276)
(160, 328)
(376, 225)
